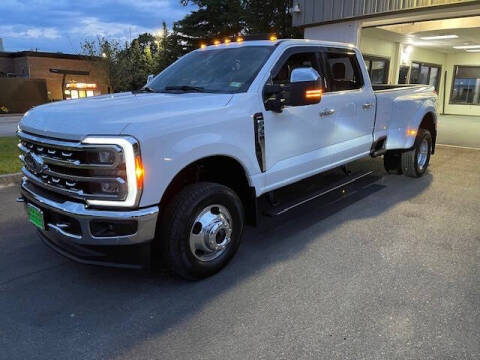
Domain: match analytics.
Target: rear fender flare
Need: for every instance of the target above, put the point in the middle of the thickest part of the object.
(404, 124)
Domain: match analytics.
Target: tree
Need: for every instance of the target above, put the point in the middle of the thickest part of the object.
(217, 19)
(214, 19)
(270, 16)
(127, 67)
(106, 52)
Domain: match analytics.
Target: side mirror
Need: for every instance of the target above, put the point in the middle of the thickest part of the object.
(150, 78)
(305, 87)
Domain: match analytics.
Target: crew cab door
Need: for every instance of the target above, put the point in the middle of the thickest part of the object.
(293, 136)
(350, 101)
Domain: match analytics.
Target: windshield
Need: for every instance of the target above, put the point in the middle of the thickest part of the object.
(217, 71)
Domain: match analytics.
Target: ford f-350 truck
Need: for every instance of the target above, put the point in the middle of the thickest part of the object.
(171, 173)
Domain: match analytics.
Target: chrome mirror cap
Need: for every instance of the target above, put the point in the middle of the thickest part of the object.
(304, 74)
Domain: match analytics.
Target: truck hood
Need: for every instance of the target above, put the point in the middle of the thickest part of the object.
(110, 114)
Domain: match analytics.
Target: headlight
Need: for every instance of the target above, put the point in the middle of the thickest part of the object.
(133, 169)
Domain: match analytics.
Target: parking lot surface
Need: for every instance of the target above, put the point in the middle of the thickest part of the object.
(8, 124)
(390, 271)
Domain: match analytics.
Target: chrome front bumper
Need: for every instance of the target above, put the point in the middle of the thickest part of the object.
(80, 244)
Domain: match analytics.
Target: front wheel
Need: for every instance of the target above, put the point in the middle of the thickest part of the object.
(415, 161)
(201, 230)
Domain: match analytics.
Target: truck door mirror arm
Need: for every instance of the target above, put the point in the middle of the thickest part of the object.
(275, 97)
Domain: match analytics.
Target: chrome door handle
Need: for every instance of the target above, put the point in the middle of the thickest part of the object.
(327, 112)
(367, 106)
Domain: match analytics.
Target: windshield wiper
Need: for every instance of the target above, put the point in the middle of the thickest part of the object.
(185, 88)
(146, 89)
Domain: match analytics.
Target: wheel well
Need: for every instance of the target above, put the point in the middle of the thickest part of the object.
(219, 169)
(428, 123)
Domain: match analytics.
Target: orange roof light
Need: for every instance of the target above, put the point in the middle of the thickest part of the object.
(239, 39)
(313, 94)
(216, 42)
(227, 41)
(203, 46)
(273, 37)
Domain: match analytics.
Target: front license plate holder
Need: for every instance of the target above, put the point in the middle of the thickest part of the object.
(36, 216)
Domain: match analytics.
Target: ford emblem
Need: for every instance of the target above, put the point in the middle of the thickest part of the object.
(34, 162)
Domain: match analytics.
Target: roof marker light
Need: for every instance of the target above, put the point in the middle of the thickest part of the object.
(273, 37)
(216, 42)
(203, 46)
(227, 41)
(239, 39)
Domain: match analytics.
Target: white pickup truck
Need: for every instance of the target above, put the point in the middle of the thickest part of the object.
(171, 172)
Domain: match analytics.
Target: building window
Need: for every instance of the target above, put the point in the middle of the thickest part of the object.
(466, 85)
(75, 90)
(427, 74)
(377, 69)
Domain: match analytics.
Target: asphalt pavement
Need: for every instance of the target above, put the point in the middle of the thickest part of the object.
(389, 271)
(8, 124)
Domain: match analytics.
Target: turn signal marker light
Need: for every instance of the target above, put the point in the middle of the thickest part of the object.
(313, 94)
(139, 172)
(412, 132)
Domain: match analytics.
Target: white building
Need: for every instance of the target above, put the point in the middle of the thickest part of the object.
(434, 42)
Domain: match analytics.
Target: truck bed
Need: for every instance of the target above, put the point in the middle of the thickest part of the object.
(396, 107)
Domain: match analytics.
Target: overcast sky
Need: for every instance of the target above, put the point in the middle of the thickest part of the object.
(61, 25)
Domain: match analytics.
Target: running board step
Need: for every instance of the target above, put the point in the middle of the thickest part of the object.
(283, 208)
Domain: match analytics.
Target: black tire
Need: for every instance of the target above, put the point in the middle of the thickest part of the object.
(410, 165)
(177, 224)
(392, 162)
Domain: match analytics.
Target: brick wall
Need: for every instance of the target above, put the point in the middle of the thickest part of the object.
(40, 69)
(6, 65)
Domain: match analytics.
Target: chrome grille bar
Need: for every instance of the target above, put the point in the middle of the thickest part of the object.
(73, 169)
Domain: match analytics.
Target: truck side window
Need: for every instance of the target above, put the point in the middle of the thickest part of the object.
(307, 59)
(344, 71)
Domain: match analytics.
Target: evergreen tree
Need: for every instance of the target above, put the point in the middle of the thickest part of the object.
(214, 19)
(127, 67)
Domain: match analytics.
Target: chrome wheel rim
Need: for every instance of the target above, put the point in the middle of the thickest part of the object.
(211, 233)
(422, 154)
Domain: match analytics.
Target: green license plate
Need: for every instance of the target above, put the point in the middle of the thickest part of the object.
(35, 215)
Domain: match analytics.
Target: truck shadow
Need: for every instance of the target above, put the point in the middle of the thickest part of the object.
(103, 299)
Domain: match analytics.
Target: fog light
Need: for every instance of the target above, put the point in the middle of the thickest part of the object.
(106, 157)
(110, 188)
(109, 229)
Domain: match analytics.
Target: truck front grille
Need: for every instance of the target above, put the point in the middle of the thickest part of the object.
(74, 169)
